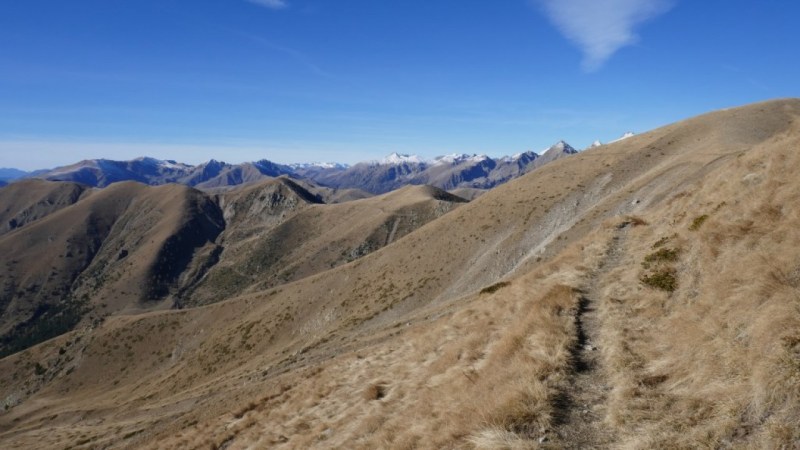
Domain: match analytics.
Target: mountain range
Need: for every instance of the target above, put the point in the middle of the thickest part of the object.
(470, 175)
(599, 301)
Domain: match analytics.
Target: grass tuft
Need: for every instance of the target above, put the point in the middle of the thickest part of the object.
(663, 279)
(663, 255)
(698, 222)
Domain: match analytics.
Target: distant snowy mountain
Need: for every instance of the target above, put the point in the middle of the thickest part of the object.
(454, 171)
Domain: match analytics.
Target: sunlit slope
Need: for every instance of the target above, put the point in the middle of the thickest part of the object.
(681, 239)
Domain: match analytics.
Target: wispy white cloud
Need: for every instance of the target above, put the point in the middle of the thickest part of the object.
(272, 4)
(601, 27)
(298, 56)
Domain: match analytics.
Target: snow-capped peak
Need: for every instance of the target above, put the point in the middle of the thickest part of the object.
(398, 158)
(164, 164)
(596, 144)
(321, 165)
(456, 158)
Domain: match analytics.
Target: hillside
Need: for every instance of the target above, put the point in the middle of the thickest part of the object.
(641, 294)
(127, 247)
(83, 254)
(278, 232)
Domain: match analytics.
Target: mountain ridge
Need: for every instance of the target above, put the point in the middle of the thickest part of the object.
(596, 302)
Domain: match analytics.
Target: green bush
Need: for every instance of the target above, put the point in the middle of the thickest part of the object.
(663, 279)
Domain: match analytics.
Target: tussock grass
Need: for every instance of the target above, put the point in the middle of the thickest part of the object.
(663, 255)
(698, 222)
(484, 375)
(664, 279)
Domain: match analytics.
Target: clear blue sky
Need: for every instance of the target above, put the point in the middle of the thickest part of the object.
(349, 80)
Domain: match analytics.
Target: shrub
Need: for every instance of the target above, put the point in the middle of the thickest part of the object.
(495, 287)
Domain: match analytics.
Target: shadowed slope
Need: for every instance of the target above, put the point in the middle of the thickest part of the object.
(119, 248)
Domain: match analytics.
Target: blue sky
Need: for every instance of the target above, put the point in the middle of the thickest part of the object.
(350, 80)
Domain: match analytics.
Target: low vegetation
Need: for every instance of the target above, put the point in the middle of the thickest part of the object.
(698, 222)
(664, 255)
(495, 287)
(663, 278)
(47, 321)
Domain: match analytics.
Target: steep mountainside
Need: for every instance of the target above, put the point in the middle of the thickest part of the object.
(598, 302)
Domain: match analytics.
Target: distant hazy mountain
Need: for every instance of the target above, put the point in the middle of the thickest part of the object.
(8, 174)
(103, 172)
(457, 171)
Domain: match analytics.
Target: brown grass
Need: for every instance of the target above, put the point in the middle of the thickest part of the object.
(716, 364)
(400, 350)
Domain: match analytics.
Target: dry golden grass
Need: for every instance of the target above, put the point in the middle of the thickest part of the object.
(400, 349)
(716, 363)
